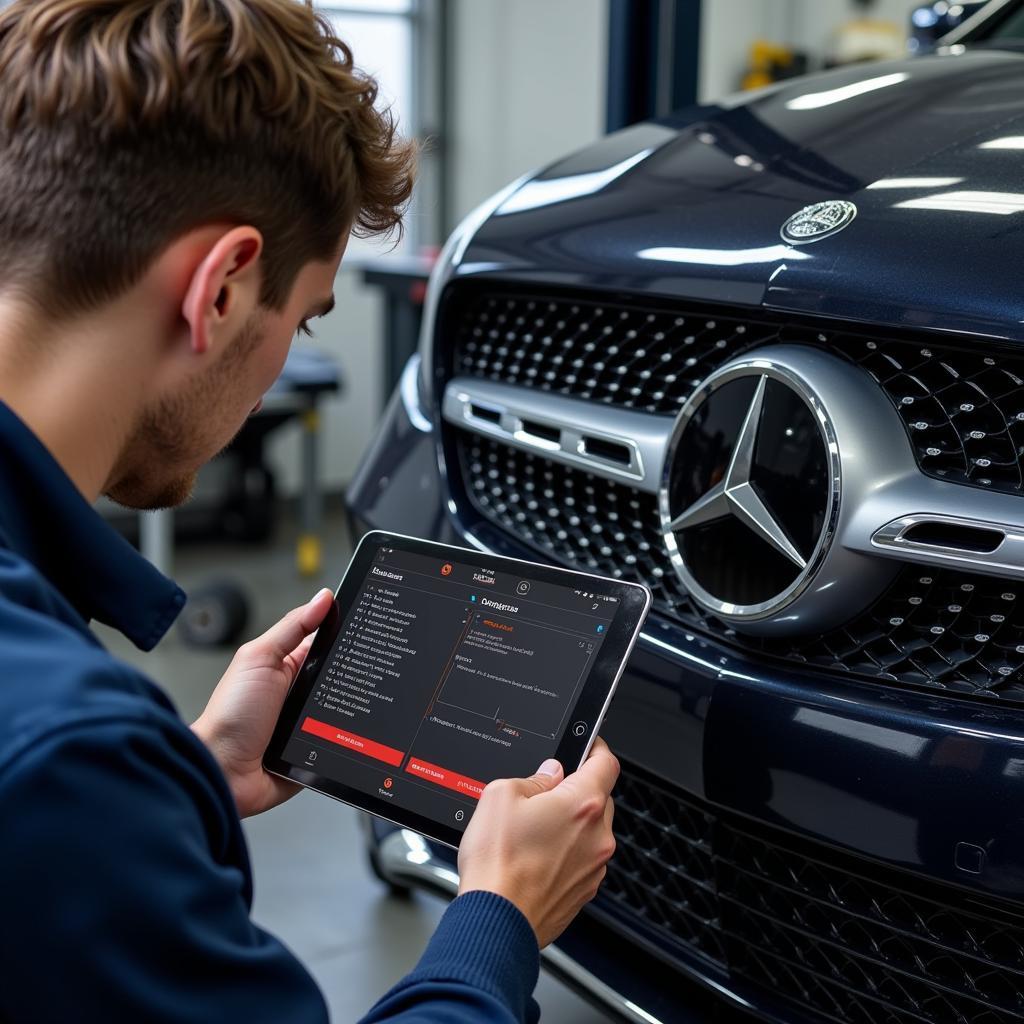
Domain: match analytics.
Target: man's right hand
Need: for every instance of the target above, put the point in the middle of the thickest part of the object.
(544, 842)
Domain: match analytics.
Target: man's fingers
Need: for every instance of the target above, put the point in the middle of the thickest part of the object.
(298, 656)
(601, 768)
(302, 650)
(600, 771)
(545, 778)
(283, 637)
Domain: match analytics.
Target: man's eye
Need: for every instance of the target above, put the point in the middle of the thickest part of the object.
(304, 328)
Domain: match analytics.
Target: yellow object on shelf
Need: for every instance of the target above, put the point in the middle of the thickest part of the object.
(766, 60)
(309, 556)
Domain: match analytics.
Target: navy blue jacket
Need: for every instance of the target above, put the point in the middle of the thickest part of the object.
(125, 884)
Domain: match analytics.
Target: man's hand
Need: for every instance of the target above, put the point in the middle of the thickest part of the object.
(543, 842)
(240, 717)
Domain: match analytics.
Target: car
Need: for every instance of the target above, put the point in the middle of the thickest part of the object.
(767, 357)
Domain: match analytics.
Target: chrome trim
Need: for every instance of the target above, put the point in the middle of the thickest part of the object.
(1007, 559)
(976, 20)
(406, 859)
(904, 493)
(643, 435)
(409, 389)
(447, 263)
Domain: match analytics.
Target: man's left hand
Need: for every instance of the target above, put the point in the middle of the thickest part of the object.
(243, 710)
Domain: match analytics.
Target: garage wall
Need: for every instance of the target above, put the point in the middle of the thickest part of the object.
(730, 26)
(529, 87)
(529, 83)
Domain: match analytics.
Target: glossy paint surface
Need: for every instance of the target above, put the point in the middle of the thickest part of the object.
(929, 150)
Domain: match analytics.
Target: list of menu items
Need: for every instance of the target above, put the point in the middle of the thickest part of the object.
(369, 652)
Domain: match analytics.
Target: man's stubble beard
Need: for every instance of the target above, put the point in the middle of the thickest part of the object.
(169, 446)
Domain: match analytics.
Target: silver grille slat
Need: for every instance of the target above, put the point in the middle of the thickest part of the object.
(512, 414)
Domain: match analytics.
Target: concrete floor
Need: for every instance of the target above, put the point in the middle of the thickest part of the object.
(313, 889)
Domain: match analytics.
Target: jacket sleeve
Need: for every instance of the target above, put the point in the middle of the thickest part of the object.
(481, 965)
(126, 894)
(125, 889)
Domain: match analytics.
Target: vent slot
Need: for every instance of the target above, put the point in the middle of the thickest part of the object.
(608, 450)
(481, 412)
(542, 430)
(952, 535)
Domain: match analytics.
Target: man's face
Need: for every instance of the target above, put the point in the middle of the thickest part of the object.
(179, 433)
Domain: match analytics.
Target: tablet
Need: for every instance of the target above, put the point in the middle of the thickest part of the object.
(441, 668)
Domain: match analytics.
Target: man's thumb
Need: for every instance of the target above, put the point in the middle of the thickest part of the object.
(283, 637)
(547, 776)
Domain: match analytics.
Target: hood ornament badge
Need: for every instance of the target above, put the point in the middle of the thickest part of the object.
(818, 221)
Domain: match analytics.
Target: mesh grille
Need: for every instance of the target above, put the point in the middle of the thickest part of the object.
(839, 937)
(936, 628)
(963, 408)
(622, 355)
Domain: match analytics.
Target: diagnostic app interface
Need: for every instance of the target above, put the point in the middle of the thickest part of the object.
(445, 675)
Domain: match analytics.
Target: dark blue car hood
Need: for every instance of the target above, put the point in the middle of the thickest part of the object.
(930, 149)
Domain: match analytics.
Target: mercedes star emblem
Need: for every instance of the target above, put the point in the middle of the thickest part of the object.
(750, 491)
(734, 494)
(818, 221)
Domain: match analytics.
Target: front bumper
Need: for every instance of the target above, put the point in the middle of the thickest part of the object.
(589, 957)
(886, 781)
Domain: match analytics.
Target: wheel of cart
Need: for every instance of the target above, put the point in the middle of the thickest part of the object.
(215, 615)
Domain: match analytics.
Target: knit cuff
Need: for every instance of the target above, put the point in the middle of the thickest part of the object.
(485, 941)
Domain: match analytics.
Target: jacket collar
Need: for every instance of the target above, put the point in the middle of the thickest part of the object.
(45, 519)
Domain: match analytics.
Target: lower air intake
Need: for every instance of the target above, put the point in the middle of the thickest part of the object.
(838, 937)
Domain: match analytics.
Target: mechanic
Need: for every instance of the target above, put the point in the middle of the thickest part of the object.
(177, 182)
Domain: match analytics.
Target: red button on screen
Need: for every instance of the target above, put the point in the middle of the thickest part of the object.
(445, 777)
(351, 741)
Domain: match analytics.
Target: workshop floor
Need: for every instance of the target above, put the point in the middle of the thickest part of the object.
(313, 889)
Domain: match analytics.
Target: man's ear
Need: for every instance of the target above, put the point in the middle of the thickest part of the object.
(224, 289)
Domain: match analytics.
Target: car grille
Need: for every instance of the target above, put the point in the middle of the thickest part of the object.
(632, 356)
(964, 411)
(839, 937)
(942, 629)
(963, 408)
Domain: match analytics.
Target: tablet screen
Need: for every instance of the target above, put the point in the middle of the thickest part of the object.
(446, 673)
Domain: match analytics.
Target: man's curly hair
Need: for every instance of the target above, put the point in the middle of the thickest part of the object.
(126, 123)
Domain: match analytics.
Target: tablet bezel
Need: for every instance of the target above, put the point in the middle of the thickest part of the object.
(590, 705)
